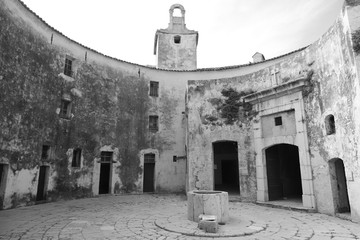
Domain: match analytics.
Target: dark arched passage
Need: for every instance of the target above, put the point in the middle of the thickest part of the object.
(283, 172)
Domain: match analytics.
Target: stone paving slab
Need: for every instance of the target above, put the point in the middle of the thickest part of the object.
(163, 217)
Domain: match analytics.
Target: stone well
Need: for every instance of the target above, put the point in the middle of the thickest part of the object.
(209, 203)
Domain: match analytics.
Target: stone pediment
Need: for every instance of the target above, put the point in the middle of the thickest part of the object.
(278, 91)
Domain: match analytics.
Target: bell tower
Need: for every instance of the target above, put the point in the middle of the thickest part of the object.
(175, 46)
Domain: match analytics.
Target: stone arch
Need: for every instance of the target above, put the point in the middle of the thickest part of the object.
(339, 185)
(177, 6)
(283, 172)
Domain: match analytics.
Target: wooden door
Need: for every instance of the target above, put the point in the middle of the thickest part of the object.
(149, 173)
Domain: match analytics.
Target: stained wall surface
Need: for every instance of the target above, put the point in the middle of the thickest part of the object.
(329, 68)
(111, 105)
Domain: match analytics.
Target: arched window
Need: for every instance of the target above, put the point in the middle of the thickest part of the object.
(330, 124)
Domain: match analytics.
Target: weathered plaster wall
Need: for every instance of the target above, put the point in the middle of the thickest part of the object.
(335, 90)
(181, 56)
(330, 65)
(216, 112)
(110, 108)
(353, 13)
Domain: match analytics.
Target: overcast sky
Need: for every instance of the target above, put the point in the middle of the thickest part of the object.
(230, 31)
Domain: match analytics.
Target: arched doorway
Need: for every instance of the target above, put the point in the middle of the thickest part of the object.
(226, 167)
(339, 186)
(283, 172)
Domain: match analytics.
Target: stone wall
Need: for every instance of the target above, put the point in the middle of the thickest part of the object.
(110, 108)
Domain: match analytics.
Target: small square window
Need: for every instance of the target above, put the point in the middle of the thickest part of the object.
(106, 156)
(68, 67)
(177, 39)
(154, 89)
(65, 108)
(278, 121)
(153, 123)
(76, 160)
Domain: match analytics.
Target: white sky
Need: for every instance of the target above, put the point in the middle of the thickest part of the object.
(230, 31)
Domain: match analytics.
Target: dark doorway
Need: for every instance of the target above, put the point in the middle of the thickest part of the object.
(149, 172)
(226, 167)
(341, 197)
(283, 172)
(105, 172)
(42, 184)
(3, 174)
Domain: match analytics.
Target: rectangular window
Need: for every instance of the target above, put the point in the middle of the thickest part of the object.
(45, 153)
(154, 89)
(65, 108)
(153, 123)
(149, 158)
(278, 121)
(76, 160)
(106, 156)
(68, 67)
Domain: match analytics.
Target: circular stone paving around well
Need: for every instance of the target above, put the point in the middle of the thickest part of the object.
(234, 228)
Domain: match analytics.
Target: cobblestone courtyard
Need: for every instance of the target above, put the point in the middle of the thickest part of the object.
(163, 217)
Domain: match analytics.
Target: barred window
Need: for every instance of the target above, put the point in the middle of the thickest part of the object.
(278, 121)
(154, 89)
(153, 123)
(149, 158)
(106, 156)
(68, 67)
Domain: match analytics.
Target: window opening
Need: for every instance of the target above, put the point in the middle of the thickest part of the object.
(76, 160)
(278, 121)
(177, 12)
(45, 152)
(106, 156)
(330, 124)
(177, 39)
(153, 123)
(154, 89)
(65, 108)
(68, 67)
(149, 158)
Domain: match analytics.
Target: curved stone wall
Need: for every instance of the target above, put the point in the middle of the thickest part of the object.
(110, 109)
